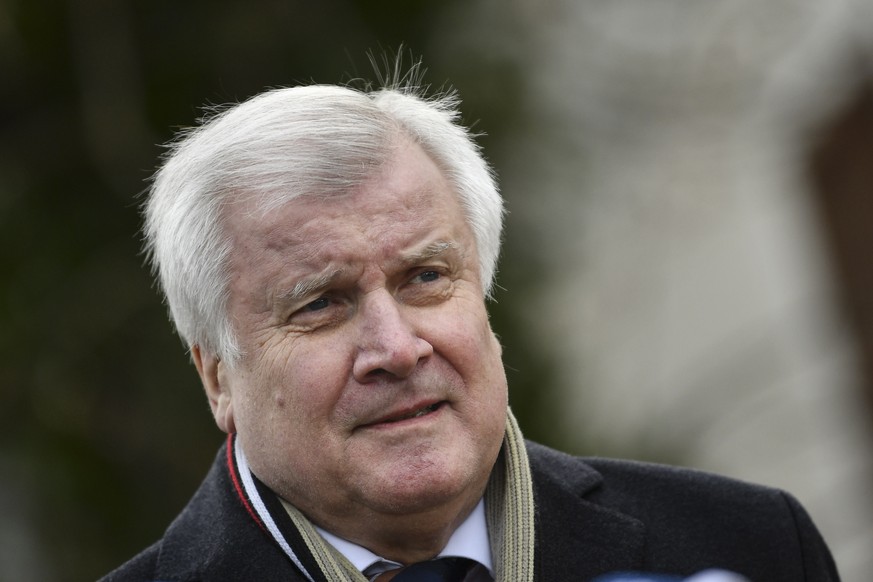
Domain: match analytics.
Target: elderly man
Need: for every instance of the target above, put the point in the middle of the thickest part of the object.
(326, 254)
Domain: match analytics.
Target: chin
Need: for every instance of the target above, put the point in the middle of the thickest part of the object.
(423, 488)
(408, 501)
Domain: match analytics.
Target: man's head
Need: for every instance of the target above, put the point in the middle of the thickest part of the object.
(301, 141)
(327, 253)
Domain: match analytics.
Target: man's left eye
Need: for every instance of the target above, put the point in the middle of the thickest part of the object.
(318, 304)
(428, 276)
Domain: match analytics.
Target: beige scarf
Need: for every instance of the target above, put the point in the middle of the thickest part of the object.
(509, 511)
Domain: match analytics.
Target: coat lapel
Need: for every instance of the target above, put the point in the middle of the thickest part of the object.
(577, 538)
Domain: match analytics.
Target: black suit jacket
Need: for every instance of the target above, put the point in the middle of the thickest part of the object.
(594, 516)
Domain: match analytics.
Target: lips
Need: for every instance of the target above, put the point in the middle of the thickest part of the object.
(407, 415)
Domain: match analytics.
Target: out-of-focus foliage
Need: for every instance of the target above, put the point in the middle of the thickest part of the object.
(104, 432)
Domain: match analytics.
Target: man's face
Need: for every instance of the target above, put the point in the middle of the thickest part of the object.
(371, 383)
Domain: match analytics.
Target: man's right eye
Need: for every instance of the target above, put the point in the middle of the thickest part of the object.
(324, 311)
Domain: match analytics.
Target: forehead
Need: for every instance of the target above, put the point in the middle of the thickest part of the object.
(404, 203)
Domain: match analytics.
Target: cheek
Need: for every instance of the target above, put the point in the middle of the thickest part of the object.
(472, 337)
(287, 408)
(470, 346)
(303, 380)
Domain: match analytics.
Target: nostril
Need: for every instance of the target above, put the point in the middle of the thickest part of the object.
(375, 375)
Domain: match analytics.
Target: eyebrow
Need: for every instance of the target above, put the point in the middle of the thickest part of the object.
(309, 285)
(433, 250)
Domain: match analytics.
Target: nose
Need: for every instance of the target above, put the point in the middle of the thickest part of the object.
(388, 344)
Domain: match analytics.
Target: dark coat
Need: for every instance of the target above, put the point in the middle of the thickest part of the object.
(593, 516)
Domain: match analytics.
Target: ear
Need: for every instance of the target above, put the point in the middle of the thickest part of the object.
(213, 375)
(496, 339)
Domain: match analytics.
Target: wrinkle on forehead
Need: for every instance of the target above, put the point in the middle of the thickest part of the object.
(392, 176)
(361, 216)
(405, 212)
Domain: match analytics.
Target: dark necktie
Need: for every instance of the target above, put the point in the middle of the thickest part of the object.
(440, 570)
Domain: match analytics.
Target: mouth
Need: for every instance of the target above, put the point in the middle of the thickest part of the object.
(407, 415)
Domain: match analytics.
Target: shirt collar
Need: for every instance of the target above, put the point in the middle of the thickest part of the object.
(470, 540)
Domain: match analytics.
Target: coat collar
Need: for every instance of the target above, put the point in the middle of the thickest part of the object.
(216, 537)
(219, 537)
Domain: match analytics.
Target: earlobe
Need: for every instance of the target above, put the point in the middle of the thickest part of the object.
(217, 387)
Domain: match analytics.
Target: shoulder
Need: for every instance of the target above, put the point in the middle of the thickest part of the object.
(213, 539)
(206, 541)
(139, 568)
(715, 520)
(631, 483)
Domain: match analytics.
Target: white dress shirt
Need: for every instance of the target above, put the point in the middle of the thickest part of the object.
(470, 540)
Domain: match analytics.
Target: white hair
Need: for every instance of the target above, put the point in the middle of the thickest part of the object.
(307, 140)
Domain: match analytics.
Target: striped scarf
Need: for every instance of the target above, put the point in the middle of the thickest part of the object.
(509, 512)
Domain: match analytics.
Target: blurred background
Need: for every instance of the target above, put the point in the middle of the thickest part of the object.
(687, 273)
